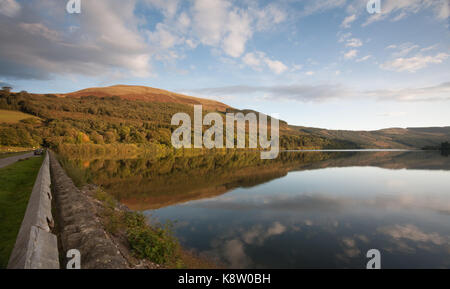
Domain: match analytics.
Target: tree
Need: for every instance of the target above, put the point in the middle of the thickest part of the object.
(7, 89)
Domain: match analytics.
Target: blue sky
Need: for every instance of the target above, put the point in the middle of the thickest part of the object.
(321, 63)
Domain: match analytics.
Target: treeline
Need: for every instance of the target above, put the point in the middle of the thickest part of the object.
(110, 120)
(444, 148)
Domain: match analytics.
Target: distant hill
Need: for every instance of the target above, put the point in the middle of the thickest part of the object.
(400, 138)
(147, 94)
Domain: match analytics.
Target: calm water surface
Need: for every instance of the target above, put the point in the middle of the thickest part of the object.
(309, 210)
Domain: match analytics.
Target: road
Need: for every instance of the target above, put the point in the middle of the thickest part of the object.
(9, 161)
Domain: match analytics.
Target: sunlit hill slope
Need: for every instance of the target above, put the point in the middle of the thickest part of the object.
(108, 118)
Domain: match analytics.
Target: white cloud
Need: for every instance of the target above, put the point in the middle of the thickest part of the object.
(169, 8)
(183, 21)
(310, 73)
(268, 16)
(354, 42)
(173, 34)
(191, 43)
(442, 9)
(348, 21)
(238, 33)
(37, 44)
(349, 40)
(432, 47)
(276, 66)
(365, 58)
(400, 9)
(403, 49)
(344, 36)
(40, 30)
(301, 93)
(210, 17)
(415, 63)
(326, 92)
(258, 60)
(218, 23)
(111, 38)
(9, 8)
(351, 54)
(253, 60)
(296, 67)
(439, 92)
(163, 37)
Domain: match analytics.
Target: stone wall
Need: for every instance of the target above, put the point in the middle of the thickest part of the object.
(78, 227)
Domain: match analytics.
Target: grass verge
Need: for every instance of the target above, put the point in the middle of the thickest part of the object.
(17, 182)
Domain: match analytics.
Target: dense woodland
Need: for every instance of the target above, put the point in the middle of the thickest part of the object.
(110, 125)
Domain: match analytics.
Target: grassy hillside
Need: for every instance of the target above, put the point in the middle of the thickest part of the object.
(147, 94)
(10, 116)
(120, 119)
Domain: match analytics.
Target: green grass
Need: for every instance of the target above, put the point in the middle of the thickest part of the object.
(13, 116)
(17, 182)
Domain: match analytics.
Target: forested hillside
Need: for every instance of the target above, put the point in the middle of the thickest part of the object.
(105, 121)
(125, 123)
(401, 138)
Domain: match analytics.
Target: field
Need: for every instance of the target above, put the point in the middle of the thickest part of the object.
(17, 183)
(11, 116)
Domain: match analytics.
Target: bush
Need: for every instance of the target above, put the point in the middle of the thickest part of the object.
(155, 244)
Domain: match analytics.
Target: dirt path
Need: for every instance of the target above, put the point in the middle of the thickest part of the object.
(9, 161)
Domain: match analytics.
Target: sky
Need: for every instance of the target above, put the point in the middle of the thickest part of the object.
(319, 63)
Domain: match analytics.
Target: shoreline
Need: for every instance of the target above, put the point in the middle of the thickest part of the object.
(105, 231)
(110, 212)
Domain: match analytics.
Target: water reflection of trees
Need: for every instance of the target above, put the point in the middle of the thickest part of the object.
(154, 183)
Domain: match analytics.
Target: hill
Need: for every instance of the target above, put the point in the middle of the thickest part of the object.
(399, 138)
(120, 119)
(147, 94)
